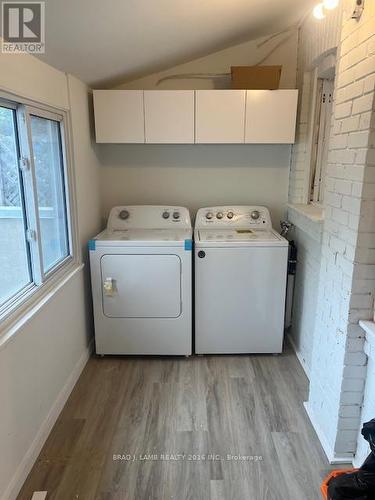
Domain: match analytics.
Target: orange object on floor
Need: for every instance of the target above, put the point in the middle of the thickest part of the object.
(332, 475)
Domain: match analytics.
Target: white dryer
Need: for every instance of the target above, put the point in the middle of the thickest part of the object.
(141, 282)
(240, 281)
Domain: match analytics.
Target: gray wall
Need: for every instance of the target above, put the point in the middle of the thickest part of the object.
(195, 175)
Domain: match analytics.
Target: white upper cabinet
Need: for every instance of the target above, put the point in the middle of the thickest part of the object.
(119, 116)
(220, 116)
(169, 116)
(271, 116)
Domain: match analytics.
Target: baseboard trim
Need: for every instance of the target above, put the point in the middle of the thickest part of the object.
(332, 457)
(305, 368)
(32, 453)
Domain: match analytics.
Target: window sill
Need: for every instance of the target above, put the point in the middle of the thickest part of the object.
(32, 305)
(314, 213)
(308, 218)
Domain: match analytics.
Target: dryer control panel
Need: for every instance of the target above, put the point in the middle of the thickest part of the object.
(240, 217)
(148, 217)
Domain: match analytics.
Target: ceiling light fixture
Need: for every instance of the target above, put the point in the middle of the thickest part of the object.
(319, 11)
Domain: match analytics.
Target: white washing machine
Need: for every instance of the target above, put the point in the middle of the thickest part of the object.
(240, 281)
(141, 282)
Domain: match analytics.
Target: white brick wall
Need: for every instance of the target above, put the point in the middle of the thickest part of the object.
(298, 165)
(360, 94)
(347, 271)
(316, 39)
(307, 236)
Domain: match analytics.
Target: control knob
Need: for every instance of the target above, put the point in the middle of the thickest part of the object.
(230, 215)
(219, 215)
(176, 215)
(209, 215)
(165, 215)
(124, 214)
(255, 214)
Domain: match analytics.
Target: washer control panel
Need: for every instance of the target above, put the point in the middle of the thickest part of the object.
(148, 217)
(234, 217)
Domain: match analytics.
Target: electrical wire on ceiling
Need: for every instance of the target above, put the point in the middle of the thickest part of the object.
(284, 40)
(192, 76)
(210, 76)
(271, 37)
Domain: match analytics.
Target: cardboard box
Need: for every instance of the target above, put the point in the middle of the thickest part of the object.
(256, 77)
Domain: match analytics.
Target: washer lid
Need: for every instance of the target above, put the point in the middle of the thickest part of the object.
(235, 236)
(144, 237)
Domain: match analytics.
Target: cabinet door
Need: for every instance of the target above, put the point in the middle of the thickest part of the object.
(271, 116)
(119, 116)
(220, 116)
(169, 116)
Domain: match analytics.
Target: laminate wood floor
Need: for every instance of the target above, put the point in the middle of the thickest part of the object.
(199, 428)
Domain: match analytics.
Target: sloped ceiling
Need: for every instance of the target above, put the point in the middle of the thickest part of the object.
(107, 41)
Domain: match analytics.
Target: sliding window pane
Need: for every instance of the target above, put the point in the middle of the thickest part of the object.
(49, 170)
(14, 253)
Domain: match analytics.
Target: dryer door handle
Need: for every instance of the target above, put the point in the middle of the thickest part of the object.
(109, 287)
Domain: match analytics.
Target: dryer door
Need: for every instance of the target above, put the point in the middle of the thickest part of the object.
(141, 286)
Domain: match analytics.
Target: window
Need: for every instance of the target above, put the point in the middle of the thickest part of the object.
(35, 236)
(321, 133)
(49, 174)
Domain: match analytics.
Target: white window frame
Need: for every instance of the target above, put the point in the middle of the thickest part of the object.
(323, 68)
(322, 120)
(42, 283)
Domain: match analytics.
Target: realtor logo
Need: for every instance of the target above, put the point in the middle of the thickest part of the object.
(23, 27)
